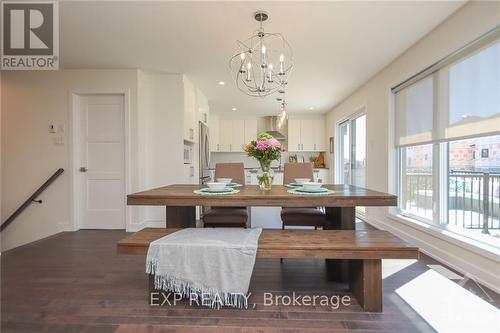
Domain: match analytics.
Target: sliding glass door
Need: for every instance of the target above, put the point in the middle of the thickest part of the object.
(351, 160)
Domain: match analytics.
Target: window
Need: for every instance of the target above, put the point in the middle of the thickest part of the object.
(448, 139)
(416, 182)
(351, 160)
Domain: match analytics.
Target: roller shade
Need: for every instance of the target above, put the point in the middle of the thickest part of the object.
(474, 96)
(457, 101)
(414, 113)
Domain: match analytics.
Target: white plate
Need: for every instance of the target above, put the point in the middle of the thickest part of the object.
(216, 190)
(319, 190)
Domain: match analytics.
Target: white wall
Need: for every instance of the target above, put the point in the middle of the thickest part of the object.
(468, 23)
(33, 100)
(161, 105)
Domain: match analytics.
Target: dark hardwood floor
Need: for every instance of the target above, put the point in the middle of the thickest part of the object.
(75, 282)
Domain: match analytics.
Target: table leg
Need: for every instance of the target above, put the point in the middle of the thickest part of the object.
(339, 218)
(366, 283)
(181, 217)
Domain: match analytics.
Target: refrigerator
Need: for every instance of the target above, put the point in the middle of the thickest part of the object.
(204, 150)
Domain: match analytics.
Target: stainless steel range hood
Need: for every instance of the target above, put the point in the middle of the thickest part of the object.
(279, 133)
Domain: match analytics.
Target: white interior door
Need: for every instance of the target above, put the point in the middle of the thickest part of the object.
(101, 169)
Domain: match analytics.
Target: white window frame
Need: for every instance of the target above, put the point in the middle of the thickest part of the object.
(440, 167)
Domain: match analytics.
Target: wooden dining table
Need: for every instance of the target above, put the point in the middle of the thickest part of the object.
(180, 202)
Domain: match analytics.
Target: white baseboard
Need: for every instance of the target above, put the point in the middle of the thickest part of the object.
(134, 227)
(429, 245)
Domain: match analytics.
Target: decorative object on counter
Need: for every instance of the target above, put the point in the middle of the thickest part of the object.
(265, 149)
(312, 159)
(292, 158)
(320, 161)
(263, 62)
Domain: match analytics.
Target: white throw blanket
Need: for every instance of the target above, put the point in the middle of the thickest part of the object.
(213, 264)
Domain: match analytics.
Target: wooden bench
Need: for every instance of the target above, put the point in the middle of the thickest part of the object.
(364, 249)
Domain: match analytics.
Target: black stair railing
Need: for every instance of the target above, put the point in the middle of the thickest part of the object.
(32, 198)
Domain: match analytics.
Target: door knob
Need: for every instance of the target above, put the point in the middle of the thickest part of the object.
(83, 169)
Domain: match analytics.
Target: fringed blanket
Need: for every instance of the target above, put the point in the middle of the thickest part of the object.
(213, 265)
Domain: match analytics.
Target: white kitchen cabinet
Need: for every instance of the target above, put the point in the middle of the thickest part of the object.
(253, 178)
(319, 143)
(203, 107)
(213, 127)
(278, 178)
(189, 174)
(306, 135)
(250, 130)
(231, 135)
(190, 111)
(225, 135)
(294, 135)
(238, 143)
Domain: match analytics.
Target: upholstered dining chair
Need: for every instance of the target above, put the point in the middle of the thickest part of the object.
(228, 216)
(300, 216)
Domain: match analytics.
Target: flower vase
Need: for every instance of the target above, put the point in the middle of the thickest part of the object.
(265, 176)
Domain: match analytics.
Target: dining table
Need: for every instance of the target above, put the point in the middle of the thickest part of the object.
(339, 205)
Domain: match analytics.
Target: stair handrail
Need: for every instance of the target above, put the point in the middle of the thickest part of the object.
(31, 199)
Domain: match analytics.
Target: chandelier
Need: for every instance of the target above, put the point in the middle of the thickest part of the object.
(263, 62)
(283, 113)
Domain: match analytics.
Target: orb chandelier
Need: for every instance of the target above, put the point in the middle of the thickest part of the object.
(262, 64)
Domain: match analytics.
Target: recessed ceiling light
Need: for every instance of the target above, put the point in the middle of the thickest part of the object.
(234, 109)
(221, 83)
(311, 108)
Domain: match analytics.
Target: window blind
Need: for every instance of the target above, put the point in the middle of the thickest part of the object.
(457, 101)
(414, 113)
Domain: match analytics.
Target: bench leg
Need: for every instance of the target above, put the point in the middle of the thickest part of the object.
(181, 216)
(339, 218)
(366, 283)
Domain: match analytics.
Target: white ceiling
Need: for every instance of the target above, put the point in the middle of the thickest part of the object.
(337, 45)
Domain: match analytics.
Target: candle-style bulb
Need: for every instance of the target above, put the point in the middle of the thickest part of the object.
(263, 49)
(242, 56)
(249, 67)
(270, 73)
(282, 57)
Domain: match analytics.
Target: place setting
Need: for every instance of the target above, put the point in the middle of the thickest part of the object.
(304, 186)
(220, 187)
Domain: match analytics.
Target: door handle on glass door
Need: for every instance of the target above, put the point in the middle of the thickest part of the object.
(83, 169)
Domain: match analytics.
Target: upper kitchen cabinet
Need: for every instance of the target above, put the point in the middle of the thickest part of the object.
(213, 125)
(231, 135)
(306, 135)
(190, 111)
(203, 107)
